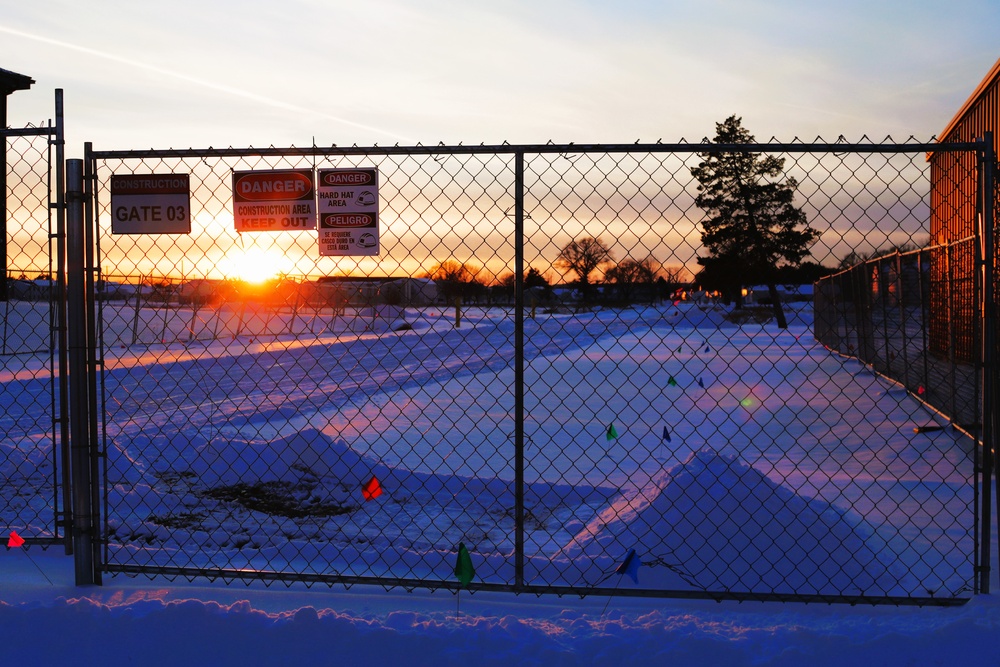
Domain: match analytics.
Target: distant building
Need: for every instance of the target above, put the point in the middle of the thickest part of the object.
(761, 294)
(366, 291)
(954, 193)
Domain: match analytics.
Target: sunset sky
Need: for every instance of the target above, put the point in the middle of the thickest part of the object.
(227, 73)
(183, 74)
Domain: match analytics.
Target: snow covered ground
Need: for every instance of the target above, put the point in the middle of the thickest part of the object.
(793, 456)
(44, 620)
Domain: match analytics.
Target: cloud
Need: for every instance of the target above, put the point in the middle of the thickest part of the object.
(250, 72)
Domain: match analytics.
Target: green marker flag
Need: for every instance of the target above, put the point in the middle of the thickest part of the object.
(463, 567)
(671, 382)
(612, 433)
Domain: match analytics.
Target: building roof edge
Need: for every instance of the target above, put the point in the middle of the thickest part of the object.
(993, 74)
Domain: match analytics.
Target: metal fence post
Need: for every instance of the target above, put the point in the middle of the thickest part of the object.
(519, 369)
(988, 193)
(92, 314)
(79, 382)
(59, 309)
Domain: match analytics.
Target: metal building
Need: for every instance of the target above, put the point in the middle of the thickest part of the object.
(955, 210)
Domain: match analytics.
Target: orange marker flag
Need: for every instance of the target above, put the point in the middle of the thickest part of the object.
(15, 540)
(371, 490)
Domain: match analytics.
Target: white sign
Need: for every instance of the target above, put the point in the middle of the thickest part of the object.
(348, 212)
(274, 201)
(150, 204)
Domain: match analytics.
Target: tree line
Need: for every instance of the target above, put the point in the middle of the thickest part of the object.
(752, 231)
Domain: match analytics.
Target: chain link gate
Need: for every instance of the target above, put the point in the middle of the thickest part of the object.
(271, 414)
(33, 451)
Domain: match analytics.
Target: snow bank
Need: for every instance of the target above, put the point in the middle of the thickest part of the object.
(166, 627)
(714, 523)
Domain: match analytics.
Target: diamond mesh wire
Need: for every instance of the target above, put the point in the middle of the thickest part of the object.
(273, 414)
(29, 388)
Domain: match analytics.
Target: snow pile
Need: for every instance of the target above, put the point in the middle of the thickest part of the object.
(692, 316)
(297, 502)
(714, 523)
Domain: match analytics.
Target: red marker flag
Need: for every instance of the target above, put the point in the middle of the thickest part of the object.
(372, 489)
(14, 540)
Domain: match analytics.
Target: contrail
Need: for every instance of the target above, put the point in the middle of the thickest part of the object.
(199, 82)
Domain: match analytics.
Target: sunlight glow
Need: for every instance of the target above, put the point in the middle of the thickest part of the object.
(255, 265)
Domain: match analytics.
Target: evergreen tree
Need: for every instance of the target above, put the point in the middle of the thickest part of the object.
(751, 226)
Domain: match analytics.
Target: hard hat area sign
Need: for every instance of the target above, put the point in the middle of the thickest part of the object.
(279, 200)
(348, 212)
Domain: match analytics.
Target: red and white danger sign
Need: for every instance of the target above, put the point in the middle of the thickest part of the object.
(280, 200)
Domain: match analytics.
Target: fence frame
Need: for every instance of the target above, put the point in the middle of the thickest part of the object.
(54, 132)
(91, 273)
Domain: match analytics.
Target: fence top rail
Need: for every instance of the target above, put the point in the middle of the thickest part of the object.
(550, 148)
(27, 131)
(881, 259)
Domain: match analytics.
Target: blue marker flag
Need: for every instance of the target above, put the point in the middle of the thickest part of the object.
(630, 566)
(666, 434)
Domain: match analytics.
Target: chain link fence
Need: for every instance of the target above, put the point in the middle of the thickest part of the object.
(615, 428)
(896, 313)
(32, 338)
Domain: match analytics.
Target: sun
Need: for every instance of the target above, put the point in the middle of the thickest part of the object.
(254, 265)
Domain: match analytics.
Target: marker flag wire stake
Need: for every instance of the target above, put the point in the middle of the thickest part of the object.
(465, 572)
(463, 566)
(15, 541)
(629, 566)
(371, 490)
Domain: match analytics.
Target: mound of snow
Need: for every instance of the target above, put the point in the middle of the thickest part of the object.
(311, 452)
(714, 523)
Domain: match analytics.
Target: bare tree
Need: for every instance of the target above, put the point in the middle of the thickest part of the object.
(453, 271)
(628, 275)
(456, 279)
(583, 256)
